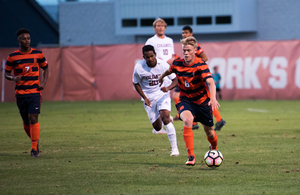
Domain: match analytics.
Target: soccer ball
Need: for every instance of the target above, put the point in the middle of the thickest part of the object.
(213, 158)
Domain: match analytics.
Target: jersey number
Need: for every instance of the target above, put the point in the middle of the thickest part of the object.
(27, 68)
(186, 84)
(165, 51)
(152, 83)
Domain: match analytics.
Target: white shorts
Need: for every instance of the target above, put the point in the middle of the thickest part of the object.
(164, 103)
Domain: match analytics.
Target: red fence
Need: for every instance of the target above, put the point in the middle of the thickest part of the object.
(249, 70)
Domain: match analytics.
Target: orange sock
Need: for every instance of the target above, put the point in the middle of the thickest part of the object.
(194, 123)
(213, 141)
(217, 115)
(176, 100)
(188, 137)
(35, 135)
(27, 129)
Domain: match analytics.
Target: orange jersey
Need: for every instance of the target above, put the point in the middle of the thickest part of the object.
(191, 80)
(199, 50)
(27, 65)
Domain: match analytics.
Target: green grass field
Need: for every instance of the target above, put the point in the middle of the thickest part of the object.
(108, 148)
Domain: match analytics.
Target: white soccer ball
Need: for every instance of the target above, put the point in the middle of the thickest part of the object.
(213, 158)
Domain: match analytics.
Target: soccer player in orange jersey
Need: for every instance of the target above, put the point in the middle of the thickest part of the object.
(197, 95)
(187, 31)
(26, 62)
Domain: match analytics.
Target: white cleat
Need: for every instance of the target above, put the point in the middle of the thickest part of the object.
(162, 131)
(175, 153)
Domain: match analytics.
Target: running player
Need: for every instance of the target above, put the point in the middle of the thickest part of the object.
(197, 95)
(26, 62)
(157, 101)
(187, 31)
(164, 48)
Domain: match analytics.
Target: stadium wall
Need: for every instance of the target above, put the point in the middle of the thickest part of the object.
(249, 70)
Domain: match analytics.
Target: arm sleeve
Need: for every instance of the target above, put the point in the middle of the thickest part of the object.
(9, 64)
(135, 78)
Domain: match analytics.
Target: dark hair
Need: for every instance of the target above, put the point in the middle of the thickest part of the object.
(21, 31)
(148, 48)
(188, 28)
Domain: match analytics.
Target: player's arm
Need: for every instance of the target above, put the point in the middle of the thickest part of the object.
(174, 56)
(203, 56)
(212, 89)
(138, 88)
(170, 87)
(45, 78)
(161, 77)
(9, 77)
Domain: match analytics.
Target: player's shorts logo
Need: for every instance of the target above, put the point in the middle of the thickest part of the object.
(182, 107)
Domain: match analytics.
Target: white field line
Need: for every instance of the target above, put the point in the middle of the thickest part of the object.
(256, 110)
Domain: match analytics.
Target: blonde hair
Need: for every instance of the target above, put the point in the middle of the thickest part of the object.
(189, 41)
(159, 20)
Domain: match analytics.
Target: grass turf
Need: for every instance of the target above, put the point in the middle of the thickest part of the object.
(108, 148)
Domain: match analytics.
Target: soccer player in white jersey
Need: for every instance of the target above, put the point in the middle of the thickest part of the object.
(163, 45)
(164, 48)
(157, 101)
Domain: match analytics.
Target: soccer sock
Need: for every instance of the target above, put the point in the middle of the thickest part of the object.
(35, 135)
(217, 115)
(27, 129)
(194, 123)
(176, 100)
(171, 132)
(213, 141)
(188, 137)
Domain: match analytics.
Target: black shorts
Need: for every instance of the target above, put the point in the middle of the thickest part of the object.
(30, 104)
(218, 89)
(177, 89)
(202, 114)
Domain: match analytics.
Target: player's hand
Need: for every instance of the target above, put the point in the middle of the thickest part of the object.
(164, 89)
(17, 78)
(214, 104)
(42, 86)
(147, 102)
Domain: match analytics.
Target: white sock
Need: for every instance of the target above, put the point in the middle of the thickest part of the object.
(171, 132)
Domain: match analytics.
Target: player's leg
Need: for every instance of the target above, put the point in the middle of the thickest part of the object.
(23, 109)
(188, 136)
(211, 136)
(33, 113)
(220, 122)
(154, 117)
(171, 132)
(164, 107)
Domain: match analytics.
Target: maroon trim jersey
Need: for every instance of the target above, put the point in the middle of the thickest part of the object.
(191, 80)
(27, 65)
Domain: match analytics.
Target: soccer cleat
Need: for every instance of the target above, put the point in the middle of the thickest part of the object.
(174, 152)
(195, 126)
(191, 161)
(162, 131)
(219, 125)
(34, 153)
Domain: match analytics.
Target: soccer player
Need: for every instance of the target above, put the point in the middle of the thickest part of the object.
(197, 95)
(164, 48)
(220, 122)
(187, 31)
(157, 101)
(26, 62)
(163, 45)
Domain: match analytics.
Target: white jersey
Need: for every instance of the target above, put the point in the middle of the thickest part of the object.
(147, 78)
(164, 48)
